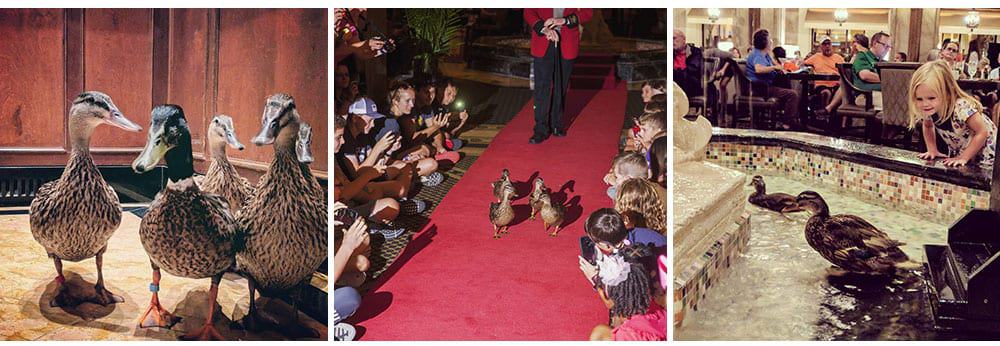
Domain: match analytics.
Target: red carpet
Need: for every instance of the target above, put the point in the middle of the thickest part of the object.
(455, 282)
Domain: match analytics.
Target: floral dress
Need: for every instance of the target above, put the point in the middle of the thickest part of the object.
(957, 134)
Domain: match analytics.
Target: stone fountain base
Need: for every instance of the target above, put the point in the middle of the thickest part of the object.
(711, 228)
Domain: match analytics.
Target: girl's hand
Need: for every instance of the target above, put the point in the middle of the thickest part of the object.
(590, 271)
(931, 155)
(355, 236)
(955, 162)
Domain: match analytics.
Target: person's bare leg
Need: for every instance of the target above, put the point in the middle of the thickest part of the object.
(386, 209)
(835, 101)
(426, 166)
(438, 141)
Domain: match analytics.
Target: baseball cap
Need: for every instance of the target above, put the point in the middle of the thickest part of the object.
(365, 106)
(824, 39)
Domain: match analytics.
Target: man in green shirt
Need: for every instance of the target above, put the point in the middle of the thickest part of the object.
(865, 72)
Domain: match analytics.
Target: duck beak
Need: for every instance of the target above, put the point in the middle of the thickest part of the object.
(267, 134)
(117, 119)
(792, 209)
(303, 152)
(233, 142)
(150, 156)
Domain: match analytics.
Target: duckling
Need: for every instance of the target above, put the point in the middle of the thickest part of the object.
(188, 232)
(537, 191)
(286, 224)
(778, 202)
(73, 217)
(222, 177)
(850, 242)
(552, 214)
(500, 185)
(502, 213)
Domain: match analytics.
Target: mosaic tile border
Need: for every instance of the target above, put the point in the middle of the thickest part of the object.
(925, 197)
(692, 284)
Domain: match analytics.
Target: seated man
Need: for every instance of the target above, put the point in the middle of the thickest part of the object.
(688, 65)
(763, 71)
(825, 62)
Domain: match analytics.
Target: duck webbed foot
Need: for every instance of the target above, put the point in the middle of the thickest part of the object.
(104, 297)
(207, 332)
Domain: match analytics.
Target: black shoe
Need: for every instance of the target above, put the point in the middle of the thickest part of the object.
(536, 139)
(559, 133)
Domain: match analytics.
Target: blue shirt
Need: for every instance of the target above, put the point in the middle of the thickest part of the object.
(646, 236)
(758, 57)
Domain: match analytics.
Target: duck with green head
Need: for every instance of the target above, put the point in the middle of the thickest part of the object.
(286, 223)
(187, 232)
(74, 217)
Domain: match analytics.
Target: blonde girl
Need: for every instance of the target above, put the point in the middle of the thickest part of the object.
(642, 204)
(941, 107)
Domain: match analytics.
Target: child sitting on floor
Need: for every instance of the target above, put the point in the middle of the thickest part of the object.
(937, 102)
(626, 165)
(625, 288)
(642, 203)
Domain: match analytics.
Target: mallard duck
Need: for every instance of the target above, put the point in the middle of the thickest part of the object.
(222, 178)
(188, 232)
(500, 185)
(502, 213)
(848, 241)
(304, 152)
(778, 202)
(73, 217)
(552, 214)
(286, 225)
(536, 196)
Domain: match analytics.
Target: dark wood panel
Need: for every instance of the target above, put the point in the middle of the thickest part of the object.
(262, 52)
(31, 86)
(188, 69)
(118, 59)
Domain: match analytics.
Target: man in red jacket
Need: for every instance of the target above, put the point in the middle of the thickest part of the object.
(555, 43)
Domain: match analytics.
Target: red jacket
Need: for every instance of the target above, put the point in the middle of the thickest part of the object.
(569, 39)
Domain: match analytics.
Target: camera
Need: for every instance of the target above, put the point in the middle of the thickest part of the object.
(388, 47)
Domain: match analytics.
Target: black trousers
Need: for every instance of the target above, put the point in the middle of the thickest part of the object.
(551, 82)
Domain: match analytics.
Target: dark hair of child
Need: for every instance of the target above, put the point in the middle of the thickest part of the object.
(658, 159)
(632, 296)
(606, 225)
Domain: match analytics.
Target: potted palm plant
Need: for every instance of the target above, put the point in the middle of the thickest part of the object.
(433, 32)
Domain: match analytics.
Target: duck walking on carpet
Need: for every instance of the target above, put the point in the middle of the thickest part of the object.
(500, 185)
(850, 242)
(538, 189)
(74, 217)
(188, 232)
(552, 214)
(502, 213)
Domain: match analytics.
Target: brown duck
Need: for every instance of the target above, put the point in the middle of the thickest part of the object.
(285, 222)
(850, 242)
(188, 232)
(779, 202)
(552, 214)
(502, 213)
(222, 178)
(500, 185)
(73, 217)
(535, 199)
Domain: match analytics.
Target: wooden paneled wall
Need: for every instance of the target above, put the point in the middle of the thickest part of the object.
(208, 61)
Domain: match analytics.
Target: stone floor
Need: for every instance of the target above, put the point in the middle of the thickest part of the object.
(27, 284)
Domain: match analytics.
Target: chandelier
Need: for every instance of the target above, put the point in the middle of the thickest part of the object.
(840, 16)
(714, 14)
(972, 20)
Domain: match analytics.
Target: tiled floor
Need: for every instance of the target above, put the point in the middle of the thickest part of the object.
(27, 285)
